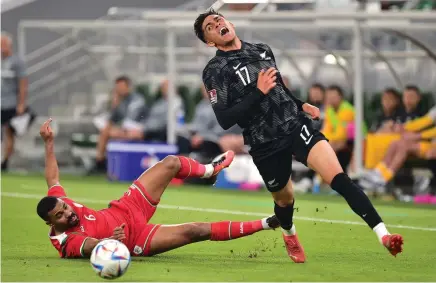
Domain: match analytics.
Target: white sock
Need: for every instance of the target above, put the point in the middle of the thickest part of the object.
(291, 232)
(209, 171)
(380, 230)
(265, 225)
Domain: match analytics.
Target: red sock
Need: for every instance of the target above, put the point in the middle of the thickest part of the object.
(190, 168)
(229, 230)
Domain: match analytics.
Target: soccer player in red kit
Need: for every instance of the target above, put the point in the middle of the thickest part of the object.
(76, 229)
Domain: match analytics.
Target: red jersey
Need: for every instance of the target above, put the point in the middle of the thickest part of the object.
(97, 224)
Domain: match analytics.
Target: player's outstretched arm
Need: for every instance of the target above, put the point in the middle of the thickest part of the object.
(51, 164)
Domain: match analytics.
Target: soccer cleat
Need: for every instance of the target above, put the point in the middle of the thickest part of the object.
(273, 222)
(222, 161)
(394, 243)
(294, 248)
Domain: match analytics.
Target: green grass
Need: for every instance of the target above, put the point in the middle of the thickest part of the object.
(335, 252)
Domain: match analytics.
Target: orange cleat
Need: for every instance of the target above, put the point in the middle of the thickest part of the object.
(294, 248)
(394, 243)
(222, 161)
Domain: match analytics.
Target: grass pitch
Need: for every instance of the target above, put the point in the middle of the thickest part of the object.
(337, 244)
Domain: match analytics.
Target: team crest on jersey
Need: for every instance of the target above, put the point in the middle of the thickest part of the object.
(213, 97)
(137, 250)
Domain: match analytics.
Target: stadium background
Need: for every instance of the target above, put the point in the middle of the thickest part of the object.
(74, 50)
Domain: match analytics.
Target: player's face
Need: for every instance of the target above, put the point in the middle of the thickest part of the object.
(62, 217)
(218, 31)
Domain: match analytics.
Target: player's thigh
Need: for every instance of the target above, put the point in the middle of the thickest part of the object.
(155, 180)
(323, 160)
(169, 237)
(275, 169)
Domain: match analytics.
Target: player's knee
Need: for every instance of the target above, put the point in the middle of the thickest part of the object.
(284, 197)
(171, 163)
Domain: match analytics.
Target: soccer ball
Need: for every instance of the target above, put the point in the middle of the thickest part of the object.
(110, 259)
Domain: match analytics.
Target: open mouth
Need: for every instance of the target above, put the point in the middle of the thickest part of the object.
(224, 31)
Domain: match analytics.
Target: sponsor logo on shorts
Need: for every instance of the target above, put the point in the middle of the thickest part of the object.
(137, 250)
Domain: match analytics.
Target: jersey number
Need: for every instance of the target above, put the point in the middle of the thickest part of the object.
(305, 135)
(239, 72)
(90, 217)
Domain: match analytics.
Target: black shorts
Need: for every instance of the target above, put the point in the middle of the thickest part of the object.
(7, 115)
(276, 168)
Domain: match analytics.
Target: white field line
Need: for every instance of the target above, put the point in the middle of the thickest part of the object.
(223, 211)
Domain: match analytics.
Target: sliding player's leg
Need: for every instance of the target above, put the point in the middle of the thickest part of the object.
(154, 181)
(169, 237)
(275, 170)
(323, 160)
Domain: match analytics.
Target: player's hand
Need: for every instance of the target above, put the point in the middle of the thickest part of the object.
(313, 111)
(119, 233)
(46, 131)
(267, 80)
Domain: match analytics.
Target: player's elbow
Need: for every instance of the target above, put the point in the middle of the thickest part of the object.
(225, 123)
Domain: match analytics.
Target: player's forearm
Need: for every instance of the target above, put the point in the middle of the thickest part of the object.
(22, 95)
(230, 116)
(88, 246)
(51, 165)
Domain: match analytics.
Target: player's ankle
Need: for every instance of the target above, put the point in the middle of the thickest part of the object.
(381, 231)
(208, 172)
(289, 231)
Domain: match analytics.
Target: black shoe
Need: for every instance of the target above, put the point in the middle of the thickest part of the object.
(273, 222)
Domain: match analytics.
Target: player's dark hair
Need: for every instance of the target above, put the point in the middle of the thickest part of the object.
(124, 79)
(198, 24)
(413, 88)
(45, 205)
(336, 88)
(318, 86)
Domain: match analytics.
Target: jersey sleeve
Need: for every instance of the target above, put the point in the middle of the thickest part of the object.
(72, 247)
(56, 191)
(217, 84)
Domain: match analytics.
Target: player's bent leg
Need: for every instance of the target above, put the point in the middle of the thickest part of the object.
(156, 179)
(323, 160)
(169, 237)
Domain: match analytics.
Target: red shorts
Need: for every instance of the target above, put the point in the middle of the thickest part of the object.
(138, 208)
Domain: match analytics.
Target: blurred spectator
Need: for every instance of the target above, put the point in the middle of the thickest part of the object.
(390, 114)
(417, 140)
(203, 134)
(205, 137)
(339, 116)
(154, 128)
(128, 110)
(13, 95)
(317, 98)
(411, 100)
